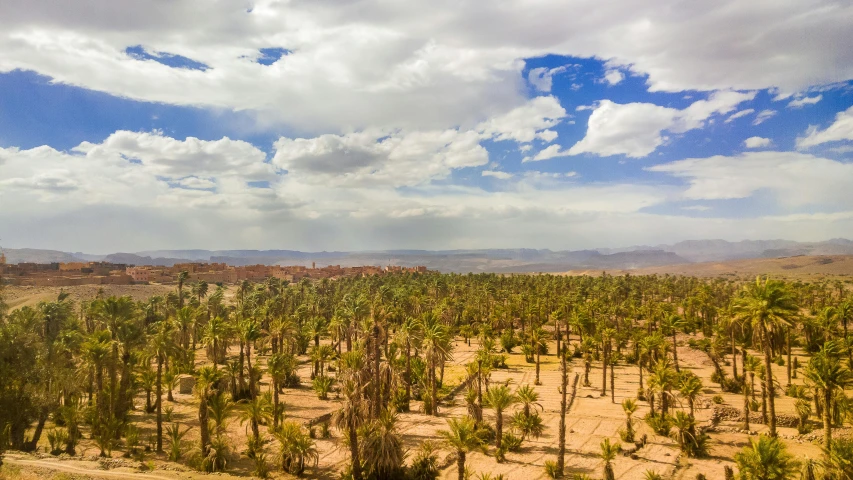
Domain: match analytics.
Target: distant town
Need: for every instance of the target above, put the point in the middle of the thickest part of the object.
(107, 273)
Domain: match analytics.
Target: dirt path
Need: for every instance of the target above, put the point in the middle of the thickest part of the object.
(89, 471)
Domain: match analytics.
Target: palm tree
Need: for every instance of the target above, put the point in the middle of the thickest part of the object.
(499, 398)
(383, 447)
(162, 346)
(464, 437)
(564, 385)
(215, 333)
(608, 454)
(527, 397)
(766, 459)
(277, 367)
(256, 411)
(295, 447)
(768, 307)
(838, 462)
(182, 277)
(670, 326)
(436, 345)
(828, 375)
(249, 330)
(539, 342)
(629, 405)
(350, 417)
(690, 388)
(206, 381)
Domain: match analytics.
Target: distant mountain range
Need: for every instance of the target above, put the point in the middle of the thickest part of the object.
(463, 261)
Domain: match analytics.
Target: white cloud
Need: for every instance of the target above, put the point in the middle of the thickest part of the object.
(841, 129)
(551, 151)
(637, 129)
(794, 179)
(523, 124)
(763, 116)
(542, 78)
(497, 174)
(378, 158)
(422, 65)
(612, 77)
(697, 208)
(739, 114)
(802, 102)
(757, 142)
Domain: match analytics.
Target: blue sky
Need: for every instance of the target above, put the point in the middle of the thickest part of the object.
(377, 127)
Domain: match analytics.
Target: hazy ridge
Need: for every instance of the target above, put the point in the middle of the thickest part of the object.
(472, 260)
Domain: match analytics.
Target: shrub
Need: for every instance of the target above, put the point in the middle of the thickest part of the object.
(717, 399)
(425, 464)
(508, 340)
(176, 436)
(551, 469)
(131, 439)
(511, 441)
(58, 438)
(652, 475)
(262, 469)
(217, 458)
(322, 386)
(659, 424)
(325, 430)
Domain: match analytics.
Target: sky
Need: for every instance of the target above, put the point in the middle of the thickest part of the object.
(387, 124)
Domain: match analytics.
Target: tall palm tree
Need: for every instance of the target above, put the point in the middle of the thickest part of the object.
(436, 345)
(350, 417)
(766, 459)
(670, 326)
(383, 447)
(256, 412)
(499, 398)
(768, 307)
(690, 388)
(182, 277)
(539, 342)
(464, 437)
(828, 375)
(206, 380)
(162, 347)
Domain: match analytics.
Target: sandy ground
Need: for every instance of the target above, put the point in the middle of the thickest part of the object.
(833, 267)
(19, 296)
(591, 419)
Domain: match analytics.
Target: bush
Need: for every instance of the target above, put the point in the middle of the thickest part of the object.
(659, 424)
(511, 441)
(508, 340)
(717, 399)
(57, 437)
(652, 475)
(217, 459)
(262, 469)
(325, 430)
(322, 386)
(425, 464)
(551, 469)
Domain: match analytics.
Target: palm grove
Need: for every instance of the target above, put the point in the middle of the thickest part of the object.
(105, 370)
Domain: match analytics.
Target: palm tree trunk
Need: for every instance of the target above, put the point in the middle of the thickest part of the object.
(159, 404)
(202, 425)
(745, 406)
(537, 366)
(561, 455)
(734, 354)
(675, 353)
(460, 464)
(827, 419)
(499, 428)
(603, 371)
(249, 365)
(769, 383)
(789, 355)
(353, 449)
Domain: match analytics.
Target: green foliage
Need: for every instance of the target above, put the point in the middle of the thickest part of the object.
(322, 386)
(766, 458)
(508, 340)
(57, 438)
(217, 458)
(176, 443)
(551, 469)
(296, 448)
(659, 424)
(425, 462)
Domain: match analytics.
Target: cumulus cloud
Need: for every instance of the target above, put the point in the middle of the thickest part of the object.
(525, 123)
(357, 65)
(542, 78)
(841, 129)
(637, 129)
(757, 142)
(794, 179)
(612, 77)
(802, 102)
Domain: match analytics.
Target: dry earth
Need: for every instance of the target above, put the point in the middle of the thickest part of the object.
(591, 419)
(835, 267)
